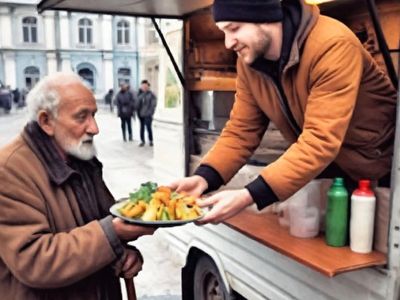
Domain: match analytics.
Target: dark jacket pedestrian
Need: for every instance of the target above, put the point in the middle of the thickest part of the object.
(126, 103)
(24, 92)
(17, 95)
(108, 99)
(146, 107)
(5, 99)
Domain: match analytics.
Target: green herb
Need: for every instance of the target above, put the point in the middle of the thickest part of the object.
(144, 192)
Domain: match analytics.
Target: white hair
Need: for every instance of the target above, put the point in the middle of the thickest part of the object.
(45, 96)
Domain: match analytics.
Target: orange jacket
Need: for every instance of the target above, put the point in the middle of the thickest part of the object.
(338, 95)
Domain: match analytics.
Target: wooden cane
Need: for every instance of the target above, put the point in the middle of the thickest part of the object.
(130, 289)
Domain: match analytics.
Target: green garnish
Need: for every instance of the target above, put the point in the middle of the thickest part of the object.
(144, 192)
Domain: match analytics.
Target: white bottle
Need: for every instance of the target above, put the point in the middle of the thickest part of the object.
(362, 218)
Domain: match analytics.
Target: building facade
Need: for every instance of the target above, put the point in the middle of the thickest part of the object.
(102, 49)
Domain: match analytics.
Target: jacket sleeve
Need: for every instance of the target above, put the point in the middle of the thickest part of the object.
(37, 256)
(134, 101)
(242, 133)
(153, 103)
(117, 102)
(334, 84)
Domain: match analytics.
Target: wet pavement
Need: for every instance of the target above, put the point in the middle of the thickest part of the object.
(125, 166)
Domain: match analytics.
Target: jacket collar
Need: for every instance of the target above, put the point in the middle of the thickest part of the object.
(309, 17)
(43, 146)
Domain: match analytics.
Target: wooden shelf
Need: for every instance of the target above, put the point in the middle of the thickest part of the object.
(212, 84)
(314, 253)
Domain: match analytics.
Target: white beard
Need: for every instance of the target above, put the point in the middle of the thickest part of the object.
(83, 150)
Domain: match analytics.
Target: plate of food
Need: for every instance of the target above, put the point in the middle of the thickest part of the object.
(158, 206)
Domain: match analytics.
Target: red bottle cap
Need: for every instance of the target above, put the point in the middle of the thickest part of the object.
(364, 188)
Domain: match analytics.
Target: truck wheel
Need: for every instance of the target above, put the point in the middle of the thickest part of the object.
(208, 284)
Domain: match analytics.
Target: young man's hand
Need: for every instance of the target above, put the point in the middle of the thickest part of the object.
(193, 185)
(224, 205)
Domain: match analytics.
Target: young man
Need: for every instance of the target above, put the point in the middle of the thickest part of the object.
(147, 103)
(58, 240)
(310, 75)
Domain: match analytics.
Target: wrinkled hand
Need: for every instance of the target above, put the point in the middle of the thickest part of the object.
(224, 205)
(130, 232)
(130, 264)
(193, 185)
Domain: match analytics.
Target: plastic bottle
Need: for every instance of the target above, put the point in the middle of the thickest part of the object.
(362, 218)
(336, 221)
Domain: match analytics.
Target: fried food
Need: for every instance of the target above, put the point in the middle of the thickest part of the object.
(152, 203)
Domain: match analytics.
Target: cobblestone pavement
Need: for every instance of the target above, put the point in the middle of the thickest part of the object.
(125, 166)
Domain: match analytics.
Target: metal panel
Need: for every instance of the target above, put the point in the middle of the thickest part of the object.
(145, 8)
(258, 272)
(394, 229)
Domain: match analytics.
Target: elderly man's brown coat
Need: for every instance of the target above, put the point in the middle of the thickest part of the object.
(39, 261)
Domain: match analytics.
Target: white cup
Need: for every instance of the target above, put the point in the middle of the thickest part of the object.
(303, 210)
(304, 221)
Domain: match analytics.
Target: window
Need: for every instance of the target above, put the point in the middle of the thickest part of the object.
(152, 36)
(32, 76)
(85, 31)
(122, 32)
(124, 75)
(29, 29)
(88, 76)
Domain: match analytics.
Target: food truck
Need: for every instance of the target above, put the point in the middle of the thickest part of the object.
(250, 256)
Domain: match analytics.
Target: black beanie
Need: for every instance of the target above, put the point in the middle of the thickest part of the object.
(251, 11)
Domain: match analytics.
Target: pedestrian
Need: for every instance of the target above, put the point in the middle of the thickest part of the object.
(58, 240)
(108, 99)
(126, 103)
(24, 92)
(309, 75)
(6, 98)
(147, 103)
(16, 95)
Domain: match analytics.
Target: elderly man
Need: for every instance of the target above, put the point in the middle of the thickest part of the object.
(57, 238)
(311, 76)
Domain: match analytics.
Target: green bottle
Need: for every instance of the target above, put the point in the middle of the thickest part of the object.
(336, 223)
